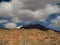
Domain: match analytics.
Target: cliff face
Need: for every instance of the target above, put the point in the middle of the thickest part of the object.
(29, 37)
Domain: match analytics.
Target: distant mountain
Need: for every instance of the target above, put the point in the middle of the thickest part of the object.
(5, 1)
(35, 26)
(58, 3)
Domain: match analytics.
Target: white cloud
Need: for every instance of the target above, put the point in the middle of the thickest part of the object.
(10, 25)
(15, 20)
(17, 4)
(3, 21)
(14, 9)
(27, 10)
(51, 9)
(55, 22)
(5, 9)
(6, 6)
(37, 4)
(42, 14)
(26, 15)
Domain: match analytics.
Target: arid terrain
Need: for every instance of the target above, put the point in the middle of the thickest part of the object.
(29, 37)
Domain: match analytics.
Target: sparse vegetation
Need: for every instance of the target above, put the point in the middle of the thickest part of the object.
(49, 43)
(25, 41)
(2, 42)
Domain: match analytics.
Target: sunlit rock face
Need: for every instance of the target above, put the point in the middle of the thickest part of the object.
(29, 37)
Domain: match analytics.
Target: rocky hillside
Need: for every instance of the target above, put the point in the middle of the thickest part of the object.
(32, 36)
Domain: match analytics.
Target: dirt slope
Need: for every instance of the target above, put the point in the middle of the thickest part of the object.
(29, 37)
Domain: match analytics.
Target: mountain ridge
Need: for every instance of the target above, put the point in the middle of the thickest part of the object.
(33, 36)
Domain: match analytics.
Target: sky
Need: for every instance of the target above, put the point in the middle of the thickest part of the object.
(15, 13)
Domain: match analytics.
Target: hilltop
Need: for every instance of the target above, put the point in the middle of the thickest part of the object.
(29, 36)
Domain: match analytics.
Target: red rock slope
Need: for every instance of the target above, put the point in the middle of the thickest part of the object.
(29, 37)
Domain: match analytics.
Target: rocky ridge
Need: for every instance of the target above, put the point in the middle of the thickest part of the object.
(31, 36)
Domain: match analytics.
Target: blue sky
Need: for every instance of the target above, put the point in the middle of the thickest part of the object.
(29, 13)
